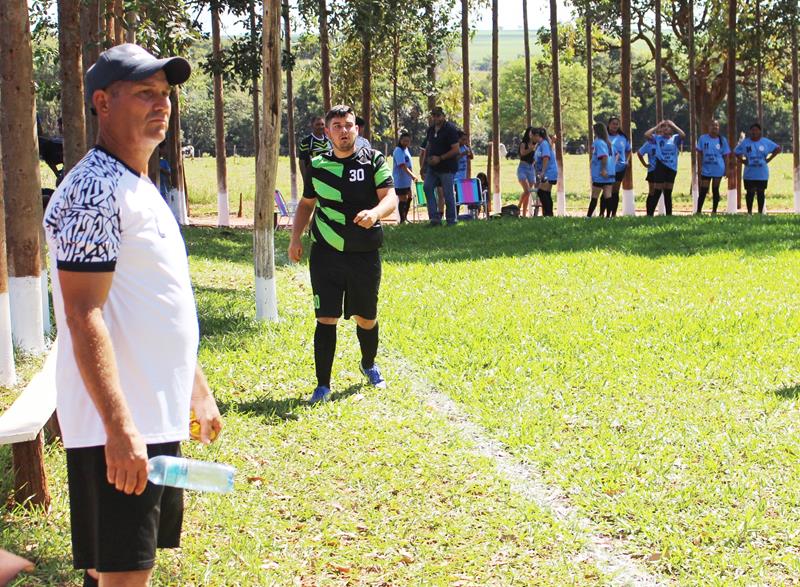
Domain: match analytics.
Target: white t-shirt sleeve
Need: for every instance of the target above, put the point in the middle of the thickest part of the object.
(85, 226)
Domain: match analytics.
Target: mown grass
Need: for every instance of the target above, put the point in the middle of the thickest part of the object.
(647, 367)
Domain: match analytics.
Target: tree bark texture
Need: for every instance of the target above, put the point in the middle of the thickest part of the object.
(325, 58)
(366, 87)
(219, 122)
(659, 65)
(254, 89)
(30, 481)
(558, 144)
(287, 37)
(495, 185)
(733, 182)
(467, 100)
(528, 112)
(73, 114)
(90, 44)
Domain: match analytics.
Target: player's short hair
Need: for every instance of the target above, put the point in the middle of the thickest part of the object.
(340, 111)
(755, 125)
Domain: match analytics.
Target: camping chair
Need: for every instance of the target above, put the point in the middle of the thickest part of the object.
(419, 198)
(470, 194)
(282, 210)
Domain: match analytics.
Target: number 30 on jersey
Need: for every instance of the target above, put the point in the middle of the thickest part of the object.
(356, 175)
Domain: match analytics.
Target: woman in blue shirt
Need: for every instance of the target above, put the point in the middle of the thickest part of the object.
(667, 138)
(403, 174)
(755, 153)
(546, 166)
(713, 150)
(621, 148)
(526, 176)
(648, 150)
(603, 165)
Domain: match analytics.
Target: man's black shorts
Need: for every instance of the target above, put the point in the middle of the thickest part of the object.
(663, 174)
(755, 184)
(341, 279)
(114, 532)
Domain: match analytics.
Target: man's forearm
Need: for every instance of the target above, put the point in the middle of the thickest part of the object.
(387, 204)
(301, 218)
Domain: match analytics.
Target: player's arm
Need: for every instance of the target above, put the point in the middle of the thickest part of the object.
(302, 216)
(774, 153)
(648, 134)
(641, 159)
(387, 204)
(453, 152)
(677, 129)
(84, 294)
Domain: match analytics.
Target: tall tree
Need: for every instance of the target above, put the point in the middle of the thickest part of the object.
(90, 47)
(254, 76)
(288, 65)
(325, 58)
(759, 65)
(466, 100)
(692, 84)
(734, 198)
(628, 200)
(8, 374)
(659, 64)
(795, 107)
(527, 64)
(558, 144)
(430, 44)
(219, 118)
(496, 194)
(180, 206)
(71, 77)
(588, 39)
(20, 162)
(266, 175)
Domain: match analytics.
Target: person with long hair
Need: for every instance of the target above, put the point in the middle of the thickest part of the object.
(403, 174)
(526, 176)
(648, 150)
(755, 152)
(603, 166)
(621, 149)
(546, 167)
(713, 150)
(667, 139)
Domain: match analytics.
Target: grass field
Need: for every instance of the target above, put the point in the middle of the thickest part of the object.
(647, 367)
(201, 178)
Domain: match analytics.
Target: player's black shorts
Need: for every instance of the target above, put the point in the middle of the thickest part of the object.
(349, 280)
(619, 176)
(402, 191)
(710, 177)
(115, 532)
(649, 177)
(597, 184)
(755, 184)
(663, 174)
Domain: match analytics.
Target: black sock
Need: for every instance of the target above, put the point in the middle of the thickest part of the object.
(592, 206)
(668, 201)
(652, 202)
(89, 581)
(701, 199)
(324, 351)
(716, 198)
(762, 198)
(403, 207)
(603, 205)
(368, 339)
(612, 211)
(749, 197)
(546, 199)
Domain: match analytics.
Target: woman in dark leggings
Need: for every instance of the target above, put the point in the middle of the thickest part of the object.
(755, 152)
(544, 162)
(621, 149)
(667, 139)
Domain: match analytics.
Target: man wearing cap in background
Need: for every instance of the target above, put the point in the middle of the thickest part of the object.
(442, 150)
(127, 372)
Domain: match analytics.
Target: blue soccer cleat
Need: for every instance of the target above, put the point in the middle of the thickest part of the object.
(321, 394)
(373, 375)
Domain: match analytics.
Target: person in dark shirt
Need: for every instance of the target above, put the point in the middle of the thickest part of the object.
(348, 191)
(440, 164)
(312, 145)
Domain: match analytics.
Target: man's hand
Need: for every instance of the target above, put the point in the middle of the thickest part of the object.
(126, 460)
(434, 160)
(604, 173)
(295, 250)
(205, 408)
(366, 218)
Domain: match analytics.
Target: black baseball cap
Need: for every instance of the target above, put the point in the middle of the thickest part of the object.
(437, 111)
(129, 62)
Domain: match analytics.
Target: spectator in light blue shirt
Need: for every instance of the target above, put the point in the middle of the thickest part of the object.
(403, 174)
(713, 150)
(621, 150)
(546, 167)
(667, 139)
(648, 149)
(603, 166)
(755, 153)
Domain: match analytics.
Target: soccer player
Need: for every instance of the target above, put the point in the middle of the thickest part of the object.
(603, 166)
(312, 145)
(667, 139)
(621, 149)
(349, 191)
(755, 153)
(526, 175)
(403, 174)
(713, 150)
(546, 166)
(648, 150)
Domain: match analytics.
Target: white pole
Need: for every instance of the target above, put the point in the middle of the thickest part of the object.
(222, 206)
(47, 327)
(628, 203)
(25, 301)
(732, 197)
(8, 374)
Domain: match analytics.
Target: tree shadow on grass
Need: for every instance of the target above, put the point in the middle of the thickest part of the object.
(284, 409)
(222, 311)
(788, 392)
(235, 246)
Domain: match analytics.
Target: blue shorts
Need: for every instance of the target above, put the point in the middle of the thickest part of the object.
(526, 172)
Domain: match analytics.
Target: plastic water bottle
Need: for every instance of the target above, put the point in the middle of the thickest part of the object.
(191, 474)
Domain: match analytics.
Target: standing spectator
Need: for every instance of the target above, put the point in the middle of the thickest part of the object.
(602, 167)
(526, 175)
(464, 155)
(361, 142)
(755, 153)
(403, 174)
(546, 167)
(128, 334)
(648, 149)
(440, 162)
(713, 150)
(621, 150)
(312, 144)
(667, 139)
(164, 172)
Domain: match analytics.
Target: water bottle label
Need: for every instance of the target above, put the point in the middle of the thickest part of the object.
(176, 473)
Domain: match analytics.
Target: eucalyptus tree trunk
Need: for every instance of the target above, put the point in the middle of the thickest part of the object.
(495, 186)
(366, 87)
(659, 66)
(628, 199)
(71, 77)
(287, 38)
(8, 373)
(395, 89)
(267, 166)
(21, 179)
(795, 110)
(589, 83)
(733, 165)
(175, 154)
(467, 106)
(219, 121)
(90, 46)
(692, 106)
(431, 53)
(759, 67)
(528, 112)
(558, 144)
(254, 80)
(132, 19)
(325, 58)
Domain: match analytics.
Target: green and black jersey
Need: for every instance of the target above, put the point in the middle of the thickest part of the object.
(343, 188)
(311, 146)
